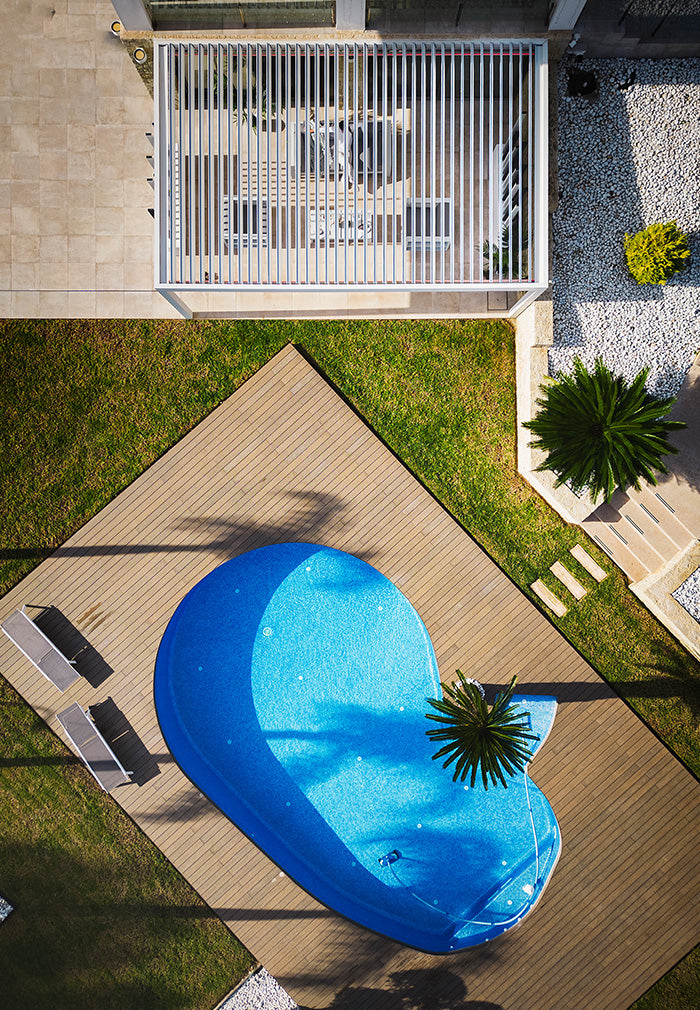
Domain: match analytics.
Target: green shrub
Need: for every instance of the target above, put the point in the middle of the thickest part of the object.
(657, 253)
(499, 261)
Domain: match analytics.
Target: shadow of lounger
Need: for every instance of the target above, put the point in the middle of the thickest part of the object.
(73, 642)
(125, 741)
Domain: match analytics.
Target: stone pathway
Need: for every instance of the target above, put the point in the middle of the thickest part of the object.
(568, 580)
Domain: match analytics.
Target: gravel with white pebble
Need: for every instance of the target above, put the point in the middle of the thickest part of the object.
(260, 992)
(688, 594)
(627, 158)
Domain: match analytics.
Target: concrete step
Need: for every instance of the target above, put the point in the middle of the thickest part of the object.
(587, 562)
(636, 539)
(616, 546)
(640, 521)
(653, 503)
(562, 573)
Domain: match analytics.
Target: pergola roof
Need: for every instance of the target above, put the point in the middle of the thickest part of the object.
(419, 165)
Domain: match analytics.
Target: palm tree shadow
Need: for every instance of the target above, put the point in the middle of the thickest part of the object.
(685, 467)
(74, 911)
(672, 674)
(434, 989)
(307, 516)
(413, 989)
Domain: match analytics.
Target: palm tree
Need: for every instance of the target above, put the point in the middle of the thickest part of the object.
(600, 432)
(493, 740)
(244, 88)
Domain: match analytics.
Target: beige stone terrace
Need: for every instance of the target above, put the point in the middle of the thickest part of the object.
(76, 237)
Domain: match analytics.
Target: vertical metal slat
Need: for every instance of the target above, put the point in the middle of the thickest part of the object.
(404, 99)
(307, 106)
(530, 173)
(500, 164)
(364, 163)
(241, 224)
(453, 104)
(278, 132)
(210, 163)
(255, 226)
(287, 214)
(394, 142)
(355, 124)
(443, 141)
(518, 113)
(433, 200)
(317, 68)
(414, 193)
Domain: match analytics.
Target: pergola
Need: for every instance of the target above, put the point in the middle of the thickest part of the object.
(414, 165)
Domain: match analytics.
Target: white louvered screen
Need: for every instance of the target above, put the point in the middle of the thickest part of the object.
(347, 164)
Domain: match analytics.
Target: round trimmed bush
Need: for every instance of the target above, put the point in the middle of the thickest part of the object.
(657, 253)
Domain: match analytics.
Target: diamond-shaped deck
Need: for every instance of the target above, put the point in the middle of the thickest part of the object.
(285, 458)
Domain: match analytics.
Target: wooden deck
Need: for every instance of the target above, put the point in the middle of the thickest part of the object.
(286, 459)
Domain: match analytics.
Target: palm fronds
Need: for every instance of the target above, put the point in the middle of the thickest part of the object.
(493, 740)
(599, 432)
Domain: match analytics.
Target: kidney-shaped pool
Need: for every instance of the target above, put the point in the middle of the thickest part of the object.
(291, 687)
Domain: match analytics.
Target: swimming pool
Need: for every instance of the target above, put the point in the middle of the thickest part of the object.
(291, 687)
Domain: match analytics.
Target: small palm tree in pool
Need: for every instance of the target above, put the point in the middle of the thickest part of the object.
(599, 432)
(490, 740)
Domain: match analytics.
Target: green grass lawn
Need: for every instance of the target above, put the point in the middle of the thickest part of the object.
(102, 918)
(85, 407)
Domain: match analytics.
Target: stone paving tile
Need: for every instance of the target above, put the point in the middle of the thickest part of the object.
(76, 238)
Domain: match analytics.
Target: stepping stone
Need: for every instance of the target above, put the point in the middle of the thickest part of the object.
(564, 575)
(548, 598)
(587, 562)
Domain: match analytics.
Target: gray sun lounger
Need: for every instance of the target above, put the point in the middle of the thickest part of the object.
(40, 650)
(93, 748)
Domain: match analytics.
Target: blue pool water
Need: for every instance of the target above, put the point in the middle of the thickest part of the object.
(291, 687)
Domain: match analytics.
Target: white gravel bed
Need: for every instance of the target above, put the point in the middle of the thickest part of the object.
(627, 158)
(688, 594)
(260, 992)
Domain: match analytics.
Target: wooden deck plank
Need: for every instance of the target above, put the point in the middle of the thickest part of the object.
(285, 457)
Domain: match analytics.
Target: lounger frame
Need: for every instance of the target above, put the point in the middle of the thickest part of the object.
(48, 658)
(92, 748)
